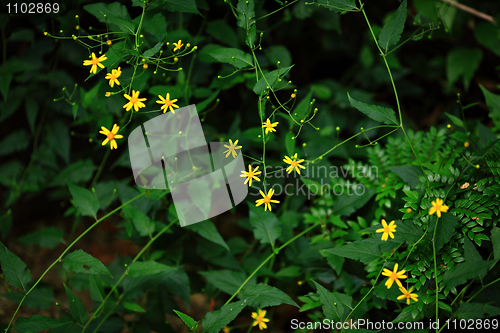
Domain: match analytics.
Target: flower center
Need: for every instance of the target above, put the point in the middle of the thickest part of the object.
(386, 229)
(294, 163)
(111, 136)
(259, 319)
(394, 276)
(133, 100)
(266, 200)
(438, 206)
(95, 61)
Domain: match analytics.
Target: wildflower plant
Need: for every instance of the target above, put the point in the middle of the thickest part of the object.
(334, 147)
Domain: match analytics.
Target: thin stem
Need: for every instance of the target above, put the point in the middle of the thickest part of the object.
(435, 267)
(101, 167)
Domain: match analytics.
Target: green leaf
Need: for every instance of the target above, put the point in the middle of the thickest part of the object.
(446, 228)
(152, 51)
(141, 268)
(495, 239)
(339, 5)
(141, 221)
(215, 321)
(290, 144)
(270, 80)
(457, 121)
(471, 311)
(279, 53)
(462, 63)
(59, 139)
(461, 273)
(31, 112)
(86, 202)
(493, 102)
(470, 251)
(207, 230)
(251, 35)
(116, 14)
(487, 35)
(303, 108)
(235, 57)
(186, 6)
(15, 141)
(190, 322)
(81, 262)
(336, 306)
(246, 12)
(40, 298)
(349, 201)
(5, 84)
(377, 113)
(96, 288)
(408, 231)
(47, 237)
(392, 30)
(364, 251)
(76, 307)
(408, 173)
(265, 296)
(37, 323)
(14, 269)
(266, 226)
(223, 32)
(225, 280)
(132, 307)
(77, 172)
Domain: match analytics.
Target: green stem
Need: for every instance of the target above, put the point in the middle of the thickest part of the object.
(66, 251)
(435, 267)
(489, 284)
(101, 167)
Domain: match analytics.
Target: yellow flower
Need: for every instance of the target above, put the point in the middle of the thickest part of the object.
(176, 59)
(145, 66)
(251, 174)
(74, 37)
(437, 206)
(466, 144)
(134, 101)
(269, 126)
(167, 103)
(387, 230)
(178, 45)
(293, 95)
(94, 62)
(107, 94)
(232, 148)
(77, 27)
(266, 200)
(394, 276)
(111, 136)
(259, 319)
(113, 77)
(408, 210)
(109, 42)
(225, 329)
(293, 164)
(449, 126)
(407, 294)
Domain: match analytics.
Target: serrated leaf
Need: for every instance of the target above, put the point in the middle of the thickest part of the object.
(392, 30)
(461, 273)
(226, 280)
(493, 102)
(207, 230)
(190, 322)
(152, 51)
(38, 323)
(81, 262)
(96, 288)
(266, 226)
(363, 251)
(265, 296)
(336, 306)
(14, 269)
(186, 6)
(339, 5)
(235, 57)
(446, 228)
(270, 79)
(132, 306)
(141, 268)
(141, 221)
(495, 239)
(86, 202)
(47, 237)
(408, 231)
(40, 298)
(215, 321)
(408, 173)
(245, 11)
(377, 113)
(462, 63)
(76, 307)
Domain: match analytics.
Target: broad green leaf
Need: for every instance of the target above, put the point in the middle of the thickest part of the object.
(81, 262)
(132, 306)
(40, 298)
(5, 84)
(339, 5)
(215, 321)
(408, 231)
(186, 6)
(223, 32)
(246, 13)
(408, 173)
(461, 273)
(457, 121)
(377, 113)
(141, 221)
(152, 51)
(76, 307)
(303, 108)
(77, 172)
(141, 268)
(31, 113)
(270, 80)
(86, 202)
(235, 57)
(155, 24)
(266, 226)
(392, 30)
(190, 322)
(14, 269)
(382, 292)
(364, 251)
(279, 53)
(265, 296)
(313, 187)
(15, 141)
(470, 251)
(116, 14)
(38, 323)
(59, 139)
(471, 311)
(336, 306)
(487, 35)
(203, 105)
(207, 230)
(47, 237)
(495, 239)
(290, 144)
(96, 288)
(225, 280)
(446, 228)
(462, 63)
(350, 199)
(493, 102)
(251, 35)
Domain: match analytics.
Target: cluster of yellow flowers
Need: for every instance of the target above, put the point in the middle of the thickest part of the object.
(133, 101)
(394, 276)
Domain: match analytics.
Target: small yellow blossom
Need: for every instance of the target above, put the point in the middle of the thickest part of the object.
(408, 210)
(387, 230)
(437, 206)
(259, 319)
(167, 103)
(74, 37)
(134, 101)
(231, 149)
(266, 200)
(394, 276)
(293, 95)
(250, 174)
(111, 136)
(178, 45)
(466, 144)
(407, 294)
(226, 329)
(109, 42)
(77, 27)
(107, 94)
(449, 126)
(176, 59)
(95, 62)
(113, 77)
(45, 33)
(145, 66)
(269, 126)
(477, 166)
(293, 163)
